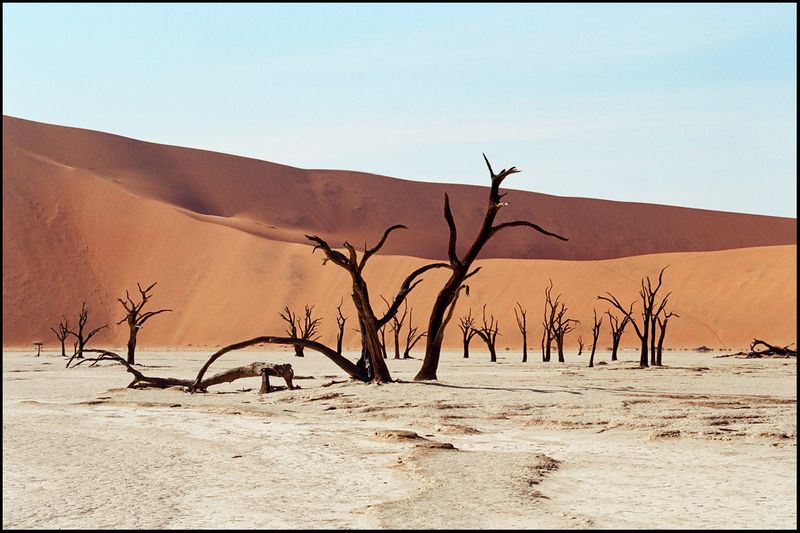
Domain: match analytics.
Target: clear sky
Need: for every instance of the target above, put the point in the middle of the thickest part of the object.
(678, 104)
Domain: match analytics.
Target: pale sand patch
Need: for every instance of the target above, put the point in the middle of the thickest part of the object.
(706, 442)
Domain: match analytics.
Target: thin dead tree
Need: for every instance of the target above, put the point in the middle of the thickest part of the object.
(62, 333)
(412, 337)
(340, 321)
(466, 324)
(648, 296)
(81, 337)
(396, 326)
(135, 318)
(662, 325)
(580, 344)
(461, 269)
(38, 348)
(548, 322)
(523, 328)
(301, 328)
(372, 362)
(617, 329)
(595, 334)
(488, 332)
(561, 326)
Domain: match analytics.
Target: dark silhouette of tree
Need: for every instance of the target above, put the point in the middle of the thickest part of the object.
(412, 337)
(38, 348)
(595, 334)
(461, 269)
(523, 328)
(135, 318)
(62, 333)
(769, 350)
(561, 326)
(301, 328)
(396, 326)
(340, 321)
(82, 337)
(662, 324)
(372, 363)
(617, 329)
(549, 322)
(466, 324)
(488, 332)
(580, 344)
(648, 296)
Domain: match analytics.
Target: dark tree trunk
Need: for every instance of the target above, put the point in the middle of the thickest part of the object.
(444, 305)
(135, 318)
(132, 345)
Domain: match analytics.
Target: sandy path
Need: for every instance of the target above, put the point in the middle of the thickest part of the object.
(706, 442)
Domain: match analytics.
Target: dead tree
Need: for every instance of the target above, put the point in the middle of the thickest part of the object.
(548, 322)
(135, 318)
(412, 337)
(662, 324)
(340, 321)
(372, 362)
(523, 328)
(489, 334)
(617, 329)
(461, 269)
(397, 326)
(263, 370)
(82, 338)
(770, 350)
(342, 362)
(62, 333)
(648, 296)
(38, 348)
(466, 324)
(580, 344)
(561, 326)
(305, 328)
(595, 334)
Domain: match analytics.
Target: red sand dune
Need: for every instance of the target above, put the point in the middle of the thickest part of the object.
(87, 215)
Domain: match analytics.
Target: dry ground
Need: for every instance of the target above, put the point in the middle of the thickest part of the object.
(706, 442)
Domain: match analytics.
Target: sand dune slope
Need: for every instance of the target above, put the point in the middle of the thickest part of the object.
(285, 203)
(85, 220)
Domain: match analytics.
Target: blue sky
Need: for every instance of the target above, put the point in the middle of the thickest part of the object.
(689, 105)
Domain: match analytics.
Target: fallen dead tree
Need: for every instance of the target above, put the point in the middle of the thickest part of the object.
(249, 371)
(768, 350)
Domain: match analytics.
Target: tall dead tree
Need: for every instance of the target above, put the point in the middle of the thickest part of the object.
(62, 333)
(412, 337)
(466, 324)
(648, 296)
(135, 318)
(595, 334)
(372, 362)
(81, 337)
(523, 328)
(488, 332)
(617, 329)
(461, 268)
